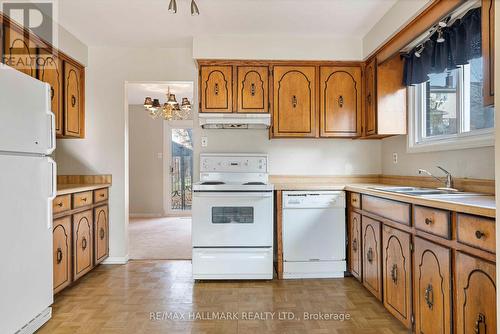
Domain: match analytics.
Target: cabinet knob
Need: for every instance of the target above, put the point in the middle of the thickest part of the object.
(294, 101)
(480, 322)
(216, 89)
(428, 221)
(369, 98)
(252, 89)
(84, 199)
(84, 243)
(394, 273)
(60, 204)
(355, 244)
(101, 233)
(341, 101)
(59, 255)
(479, 234)
(369, 255)
(73, 101)
(101, 195)
(429, 296)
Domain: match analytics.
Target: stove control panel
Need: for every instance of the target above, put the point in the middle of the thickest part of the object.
(233, 163)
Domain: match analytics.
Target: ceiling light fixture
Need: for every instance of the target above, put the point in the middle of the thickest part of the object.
(172, 6)
(194, 9)
(440, 38)
(418, 52)
(170, 109)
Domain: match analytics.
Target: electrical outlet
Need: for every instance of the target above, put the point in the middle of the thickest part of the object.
(394, 158)
(204, 141)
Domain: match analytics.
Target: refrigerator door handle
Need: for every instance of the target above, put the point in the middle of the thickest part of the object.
(52, 133)
(53, 192)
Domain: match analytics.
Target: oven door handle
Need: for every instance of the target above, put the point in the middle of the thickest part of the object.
(213, 194)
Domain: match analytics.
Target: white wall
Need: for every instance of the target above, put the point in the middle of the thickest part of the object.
(476, 163)
(277, 47)
(72, 46)
(105, 148)
(146, 169)
(401, 13)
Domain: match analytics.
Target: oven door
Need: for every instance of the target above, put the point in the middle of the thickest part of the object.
(232, 219)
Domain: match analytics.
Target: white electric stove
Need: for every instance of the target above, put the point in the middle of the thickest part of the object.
(232, 233)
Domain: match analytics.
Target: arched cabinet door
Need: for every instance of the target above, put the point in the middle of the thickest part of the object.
(216, 89)
(101, 234)
(475, 300)
(432, 288)
(73, 101)
(253, 89)
(340, 101)
(294, 107)
(396, 273)
(61, 253)
(355, 255)
(372, 264)
(82, 243)
(370, 99)
(50, 71)
(19, 50)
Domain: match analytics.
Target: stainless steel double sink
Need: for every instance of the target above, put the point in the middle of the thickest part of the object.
(427, 192)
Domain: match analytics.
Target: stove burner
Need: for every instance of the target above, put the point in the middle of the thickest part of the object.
(212, 183)
(254, 184)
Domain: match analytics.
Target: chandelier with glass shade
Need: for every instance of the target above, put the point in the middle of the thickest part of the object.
(171, 110)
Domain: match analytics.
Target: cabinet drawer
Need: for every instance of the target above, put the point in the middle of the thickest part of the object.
(355, 200)
(433, 221)
(477, 232)
(386, 208)
(82, 199)
(100, 195)
(61, 203)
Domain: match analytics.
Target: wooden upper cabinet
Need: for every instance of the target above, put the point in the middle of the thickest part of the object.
(216, 88)
(488, 49)
(74, 120)
(19, 50)
(432, 288)
(372, 258)
(50, 71)
(370, 99)
(397, 274)
(253, 89)
(294, 112)
(340, 101)
(475, 300)
(391, 97)
(61, 250)
(355, 256)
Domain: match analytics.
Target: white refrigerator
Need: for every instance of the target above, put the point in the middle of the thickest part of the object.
(27, 188)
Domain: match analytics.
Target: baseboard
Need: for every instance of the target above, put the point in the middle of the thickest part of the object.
(37, 322)
(116, 260)
(145, 215)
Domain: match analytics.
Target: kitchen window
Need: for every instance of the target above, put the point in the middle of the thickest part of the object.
(447, 111)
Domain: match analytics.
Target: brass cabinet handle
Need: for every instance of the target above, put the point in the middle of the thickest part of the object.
(355, 244)
(60, 204)
(481, 320)
(394, 273)
(59, 256)
(354, 199)
(294, 101)
(52, 93)
(73, 100)
(369, 98)
(428, 221)
(252, 89)
(84, 199)
(216, 89)
(341, 101)
(84, 243)
(479, 234)
(101, 233)
(369, 255)
(101, 195)
(429, 296)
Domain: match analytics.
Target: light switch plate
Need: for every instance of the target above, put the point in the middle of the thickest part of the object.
(394, 158)
(204, 141)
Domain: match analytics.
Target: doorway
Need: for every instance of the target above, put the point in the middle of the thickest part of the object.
(160, 170)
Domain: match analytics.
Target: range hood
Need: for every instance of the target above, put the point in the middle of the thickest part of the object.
(234, 121)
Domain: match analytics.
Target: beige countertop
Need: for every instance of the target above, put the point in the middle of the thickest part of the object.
(477, 205)
(64, 189)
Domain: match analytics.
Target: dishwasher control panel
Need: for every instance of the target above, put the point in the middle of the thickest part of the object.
(313, 199)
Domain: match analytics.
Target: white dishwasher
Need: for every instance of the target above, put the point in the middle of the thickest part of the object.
(314, 236)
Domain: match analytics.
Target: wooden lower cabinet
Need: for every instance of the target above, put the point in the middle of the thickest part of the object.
(61, 253)
(475, 301)
(101, 228)
(83, 243)
(432, 288)
(355, 254)
(372, 265)
(397, 273)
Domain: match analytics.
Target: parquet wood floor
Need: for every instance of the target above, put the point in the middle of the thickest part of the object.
(119, 299)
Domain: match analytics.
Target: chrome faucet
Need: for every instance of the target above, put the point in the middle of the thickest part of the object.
(447, 180)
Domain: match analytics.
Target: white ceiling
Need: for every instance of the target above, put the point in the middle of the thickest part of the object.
(137, 92)
(147, 23)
